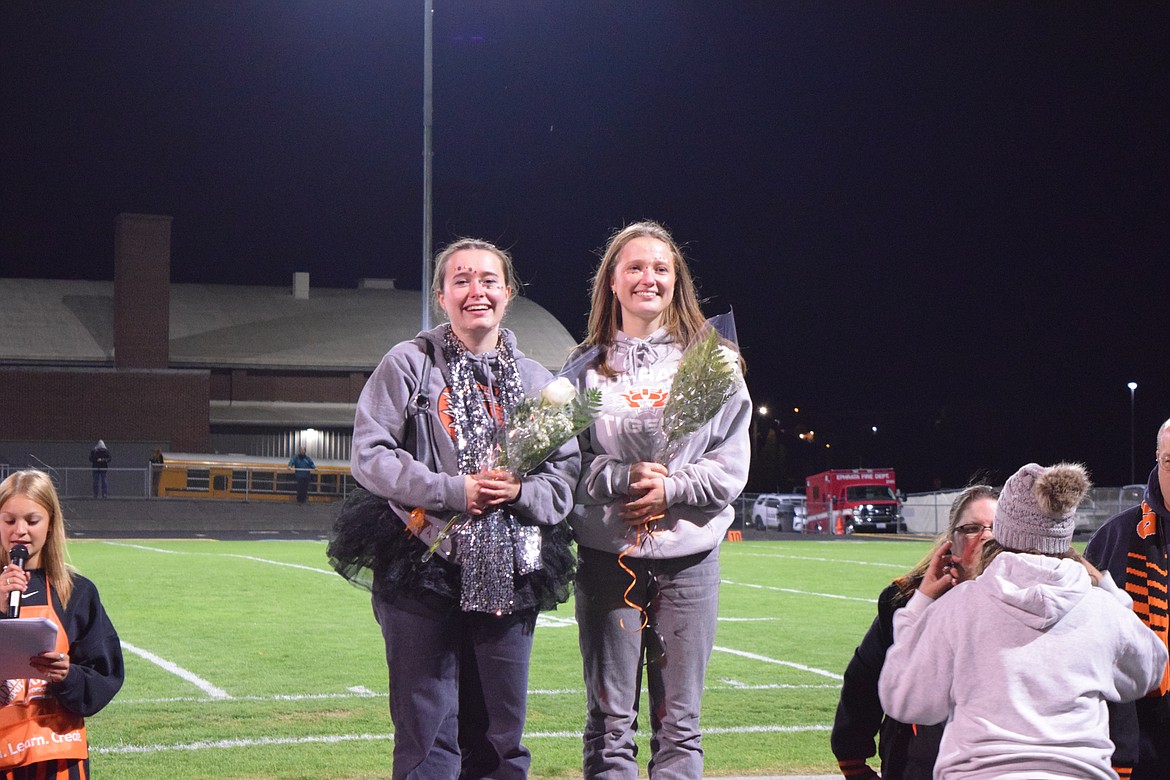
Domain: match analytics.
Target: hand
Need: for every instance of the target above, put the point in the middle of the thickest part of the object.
(640, 472)
(475, 501)
(498, 487)
(53, 667)
(13, 578)
(942, 574)
(1094, 573)
(648, 486)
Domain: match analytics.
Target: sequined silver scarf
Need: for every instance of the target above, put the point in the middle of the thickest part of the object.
(495, 548)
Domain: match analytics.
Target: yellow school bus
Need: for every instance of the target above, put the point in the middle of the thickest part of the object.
(247, 478)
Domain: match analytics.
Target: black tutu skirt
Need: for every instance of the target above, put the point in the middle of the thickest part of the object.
(371, 547)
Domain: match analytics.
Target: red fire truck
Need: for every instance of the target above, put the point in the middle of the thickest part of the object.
(841, 501)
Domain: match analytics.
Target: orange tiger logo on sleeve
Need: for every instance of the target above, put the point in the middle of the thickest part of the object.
(493, 407)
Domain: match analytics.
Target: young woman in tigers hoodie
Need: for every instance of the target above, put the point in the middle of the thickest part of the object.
(648, 533)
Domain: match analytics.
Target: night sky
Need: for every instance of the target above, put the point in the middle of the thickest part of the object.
(945, 220)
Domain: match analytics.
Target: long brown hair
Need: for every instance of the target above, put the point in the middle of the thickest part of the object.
(683, 318)
(909, 582)
(38, 486)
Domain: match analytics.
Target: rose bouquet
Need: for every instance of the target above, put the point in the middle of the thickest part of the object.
(533, 431)
(708, 375)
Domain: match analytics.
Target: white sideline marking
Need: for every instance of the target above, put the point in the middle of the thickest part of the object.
(823, 560)
(551, 621)
(148, 549)
(766, 659)
(191, 677)
(226, 555)
(282, 563)
(738, 686)
(766, 729)
(337, 738)
(355, 694)
(239, 743)
(798, 592)
(361, 692)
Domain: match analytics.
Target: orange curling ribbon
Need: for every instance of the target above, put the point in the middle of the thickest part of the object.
(634, 577)
(633, 582)
(418, 518)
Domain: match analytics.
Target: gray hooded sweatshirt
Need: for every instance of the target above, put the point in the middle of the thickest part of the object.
(383, 456)
(1020, 663)
(706, 475)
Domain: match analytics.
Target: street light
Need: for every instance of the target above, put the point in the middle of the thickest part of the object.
(428, 156)
(1132, 386)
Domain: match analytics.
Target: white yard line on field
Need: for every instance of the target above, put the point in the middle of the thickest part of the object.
(241, 743)
(148, 549)
(822, 560)
(339, 738)
(175, 669)
(283, 563)
(798, 592)
(791, 664)
(360, 692)
(314, 569)
(738, 686)
(747, 620)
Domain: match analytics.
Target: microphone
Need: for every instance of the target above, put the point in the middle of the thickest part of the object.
(18, 555)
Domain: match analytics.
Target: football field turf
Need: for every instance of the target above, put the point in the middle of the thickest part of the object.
(250, 659)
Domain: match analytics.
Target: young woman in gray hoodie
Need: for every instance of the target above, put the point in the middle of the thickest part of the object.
(457, 625)
(654, 525)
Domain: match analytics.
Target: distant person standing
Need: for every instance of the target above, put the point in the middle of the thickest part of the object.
(1133, 547)
(304, 466)
(156, 467)
(99, 458)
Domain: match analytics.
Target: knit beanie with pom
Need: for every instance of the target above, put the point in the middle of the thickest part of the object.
(1037, 507)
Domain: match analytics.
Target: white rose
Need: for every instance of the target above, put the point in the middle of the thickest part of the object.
(558, 392)
(730, 356)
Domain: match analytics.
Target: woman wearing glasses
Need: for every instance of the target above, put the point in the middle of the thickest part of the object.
(907, 751)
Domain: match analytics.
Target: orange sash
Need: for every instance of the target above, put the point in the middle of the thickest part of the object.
(34, 727)
(1145, 581)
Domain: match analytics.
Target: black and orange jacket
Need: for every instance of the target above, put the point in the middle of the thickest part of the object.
(95, 652)
(907, 751)
(1132, 547)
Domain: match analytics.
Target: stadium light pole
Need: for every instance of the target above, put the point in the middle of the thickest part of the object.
(428, 123)
(1132, 457)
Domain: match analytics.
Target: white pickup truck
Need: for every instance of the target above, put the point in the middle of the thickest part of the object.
(781, 511)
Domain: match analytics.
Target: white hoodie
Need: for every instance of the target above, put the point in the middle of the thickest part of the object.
(1020, 663)
(704, 478)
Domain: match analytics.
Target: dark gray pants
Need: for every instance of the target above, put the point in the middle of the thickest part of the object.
(458, 690)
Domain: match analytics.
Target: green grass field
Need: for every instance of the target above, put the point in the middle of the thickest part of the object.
(252, 659)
